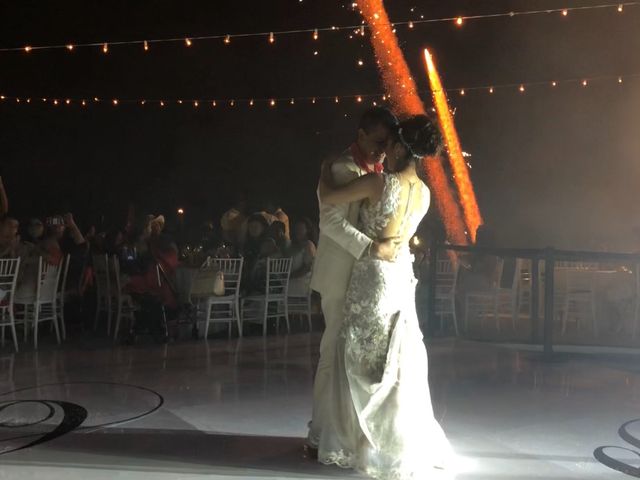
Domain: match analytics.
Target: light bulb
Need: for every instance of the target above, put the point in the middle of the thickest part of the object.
(620, 8)
(272, 38)
(521, 88)
(115, 102)
(459, 21)
(187, 42)
(27, 49)
(70, 47)
(272, 102)
(227, 39)
(565, 13)
(584, 83)
(196, 104)
(359, 99)
(410, 24)
(251, 102)
(315, 34)
(105, 48)
(146, 46)
(491, 90)
(462, 92)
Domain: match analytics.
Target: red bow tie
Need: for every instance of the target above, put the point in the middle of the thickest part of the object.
(360, 158)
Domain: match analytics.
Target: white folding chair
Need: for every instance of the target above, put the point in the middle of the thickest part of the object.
(574, 296)
(61, 297)
(9, 268)
(495, 301)
(301, 304)
(41, 306)
(224, 308)
(103, 289)
(123, 302)
(256, 308)
(446, 282)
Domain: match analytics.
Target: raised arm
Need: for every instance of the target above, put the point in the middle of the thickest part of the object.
(366, 187)
(334, 223)
(4, 201)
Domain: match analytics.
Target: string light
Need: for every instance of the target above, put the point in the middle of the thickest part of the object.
(336, 99)
(84, 103)
(70, 47)
(315, 34)
(272, 38)
(105, 48)
(146, 46)
(359, 29)
(187, 42)
(360, 63)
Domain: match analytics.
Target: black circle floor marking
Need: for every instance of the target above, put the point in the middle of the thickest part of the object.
(74, 415)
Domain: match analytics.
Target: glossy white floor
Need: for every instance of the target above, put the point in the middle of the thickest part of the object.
(238, 409)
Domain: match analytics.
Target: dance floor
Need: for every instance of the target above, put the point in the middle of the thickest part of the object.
(229, 409)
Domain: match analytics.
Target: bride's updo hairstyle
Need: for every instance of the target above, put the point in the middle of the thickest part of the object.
(421, 136)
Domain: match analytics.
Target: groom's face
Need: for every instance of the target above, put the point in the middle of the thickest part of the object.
(374, 142)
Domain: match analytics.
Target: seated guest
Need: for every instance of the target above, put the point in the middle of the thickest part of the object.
(233, 220)
(302, 253)
(256, 248)
(277, 214)
(35, 231)
(279, 242)
(10, 245)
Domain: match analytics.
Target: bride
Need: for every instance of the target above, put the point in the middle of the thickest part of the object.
(381, 420)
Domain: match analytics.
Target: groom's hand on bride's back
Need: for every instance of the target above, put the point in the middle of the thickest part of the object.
(386, 249)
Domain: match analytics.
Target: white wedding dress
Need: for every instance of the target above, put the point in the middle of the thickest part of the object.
(381, 421)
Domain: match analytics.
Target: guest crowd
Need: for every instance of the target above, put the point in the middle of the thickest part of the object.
(144, 243)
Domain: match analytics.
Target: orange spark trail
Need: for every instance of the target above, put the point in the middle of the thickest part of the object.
(405, 101)
(397, 79)
(470, 208)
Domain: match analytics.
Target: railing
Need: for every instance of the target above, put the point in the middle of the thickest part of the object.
(550, 257)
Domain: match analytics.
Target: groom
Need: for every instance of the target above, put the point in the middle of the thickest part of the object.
(340, 245)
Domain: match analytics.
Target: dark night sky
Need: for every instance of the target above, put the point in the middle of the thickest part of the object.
(550, 167)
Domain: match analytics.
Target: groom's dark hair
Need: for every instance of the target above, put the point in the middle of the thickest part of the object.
(378, 116)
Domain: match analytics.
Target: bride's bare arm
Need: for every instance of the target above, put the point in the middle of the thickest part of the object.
(368, 186)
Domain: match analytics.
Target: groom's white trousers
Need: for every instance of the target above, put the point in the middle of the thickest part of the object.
(333, 311)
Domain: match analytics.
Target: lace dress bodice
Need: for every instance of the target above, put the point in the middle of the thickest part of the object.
(375, 217)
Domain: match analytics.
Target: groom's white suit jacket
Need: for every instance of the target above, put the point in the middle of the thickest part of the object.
(340, 243)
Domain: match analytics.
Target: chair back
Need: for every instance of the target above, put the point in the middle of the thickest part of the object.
(62, 285)
(278, 274)
(49, 279)
(114, 276)
(446, 277)
(101, 272)
(9, 268)
(232, 271)
(575, 277)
